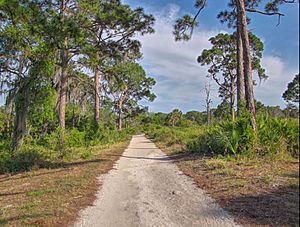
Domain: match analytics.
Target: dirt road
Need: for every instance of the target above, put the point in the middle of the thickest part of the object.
(147, 189)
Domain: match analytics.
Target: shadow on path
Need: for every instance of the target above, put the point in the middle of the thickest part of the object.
(61, 166)
(159, 158)
(276, 208)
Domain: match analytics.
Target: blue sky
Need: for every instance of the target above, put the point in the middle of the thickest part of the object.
(180, 80)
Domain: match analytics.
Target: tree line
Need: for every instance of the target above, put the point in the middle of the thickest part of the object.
(60, 57)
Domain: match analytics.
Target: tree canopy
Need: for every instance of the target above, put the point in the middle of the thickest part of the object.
(291, 94)
(54, 54)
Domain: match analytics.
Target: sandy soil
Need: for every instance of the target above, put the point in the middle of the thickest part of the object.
(146, 189)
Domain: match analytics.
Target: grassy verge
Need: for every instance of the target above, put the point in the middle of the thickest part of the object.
(258, 190)
(53, 196)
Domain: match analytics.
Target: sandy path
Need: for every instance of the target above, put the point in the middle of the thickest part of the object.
(147, 189)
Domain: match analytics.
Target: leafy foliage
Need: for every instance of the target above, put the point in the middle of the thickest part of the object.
(49, 53)
(275, 136)
(291, 95)
(222, 58)
(128, 84)
(174, 117)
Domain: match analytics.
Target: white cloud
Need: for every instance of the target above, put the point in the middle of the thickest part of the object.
(181, 80)
(280, 74)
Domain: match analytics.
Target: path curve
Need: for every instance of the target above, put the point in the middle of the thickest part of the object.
(146, 189)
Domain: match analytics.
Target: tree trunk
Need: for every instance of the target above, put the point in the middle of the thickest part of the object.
(10, 122)
(20, 128)
(120, 119)
(63, 94)
(73, 115)
(208, 114)
(247, 62)
(208, 102)
(232, 98)
(97, 97)
(240, 70)
(64, 78)
(20, 119)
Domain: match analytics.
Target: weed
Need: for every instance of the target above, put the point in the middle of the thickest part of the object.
(267, 179)
(37, 193)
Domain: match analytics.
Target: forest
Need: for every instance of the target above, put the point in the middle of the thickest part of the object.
(72, 82)
(63, 65)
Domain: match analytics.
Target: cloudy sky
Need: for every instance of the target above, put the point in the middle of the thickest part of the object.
(181, 80)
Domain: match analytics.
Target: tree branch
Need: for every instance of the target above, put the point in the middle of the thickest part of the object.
(267, 13)
(196, 16)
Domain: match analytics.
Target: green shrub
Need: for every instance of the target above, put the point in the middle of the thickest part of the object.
(5, 161)
(86, 154)
(278, 135)
(228, 137)
(273, 136)
(74, 138)
(172, 135)
(25, 159)
(50, 141)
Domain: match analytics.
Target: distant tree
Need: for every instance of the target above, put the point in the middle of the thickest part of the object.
(291, 111)
(195, 116)
(223, 111)
(291, 95)
(174, 117)
(275, 111)
(155, 118)
(131, 111)
(128, 82)
(260, 107)
(222, 60)
(208, 102)
(271, 111)
(161, 117)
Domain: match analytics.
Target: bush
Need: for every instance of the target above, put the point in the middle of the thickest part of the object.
(50, 141)
(274, 136)
(45, 152)
(229, 137)
(74, 138)
(25, 159)
(172, 135)
(278, 135)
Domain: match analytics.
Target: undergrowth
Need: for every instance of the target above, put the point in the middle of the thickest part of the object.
(274, 137)
(45, 151)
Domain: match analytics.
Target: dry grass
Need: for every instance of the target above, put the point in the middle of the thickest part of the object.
(256, 191)
(53, 197)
